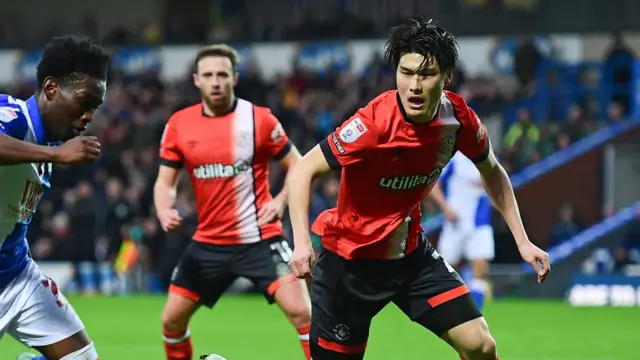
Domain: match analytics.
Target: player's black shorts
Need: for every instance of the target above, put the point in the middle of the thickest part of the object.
(205, 271)
(347, 294)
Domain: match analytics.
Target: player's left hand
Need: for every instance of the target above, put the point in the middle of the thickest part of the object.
(271, 212)
(538, 259)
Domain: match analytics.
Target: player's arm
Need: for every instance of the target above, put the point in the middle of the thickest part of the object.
(13, 127)
(287, 163)
(475, 144)
(165, 189)
(14, 151)
(348, 145)
(312, 166)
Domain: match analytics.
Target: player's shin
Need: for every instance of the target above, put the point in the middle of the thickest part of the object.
(177, 346)
(479, 287)
(303, 334)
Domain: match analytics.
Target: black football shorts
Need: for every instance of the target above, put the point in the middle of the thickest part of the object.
(347, 294)
(205, 270)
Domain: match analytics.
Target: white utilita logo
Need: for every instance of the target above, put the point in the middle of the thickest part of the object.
(218, 170)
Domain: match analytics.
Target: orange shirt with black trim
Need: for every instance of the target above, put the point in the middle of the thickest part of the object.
(389, 164)
(227, 158)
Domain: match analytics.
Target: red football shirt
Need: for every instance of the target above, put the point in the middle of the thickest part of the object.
(389, 164)
(227, 159)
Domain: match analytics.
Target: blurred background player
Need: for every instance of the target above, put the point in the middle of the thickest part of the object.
(466, 233)
(71, 78)
(226, 144)
(392, 152)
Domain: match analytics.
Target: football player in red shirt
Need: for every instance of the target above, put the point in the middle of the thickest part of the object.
(226, 145)
(391, 153)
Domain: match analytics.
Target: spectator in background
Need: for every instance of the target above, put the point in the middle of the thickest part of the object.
(527, 59)
(487, 101)
(615, 113)
(566, 227)
(521, 139)
(619, 61)
(575, 125)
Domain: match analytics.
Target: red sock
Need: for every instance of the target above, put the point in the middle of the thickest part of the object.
(303, 334)
(177, 346)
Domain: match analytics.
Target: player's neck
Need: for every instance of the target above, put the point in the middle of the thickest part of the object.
(214, 111)
(44, 113)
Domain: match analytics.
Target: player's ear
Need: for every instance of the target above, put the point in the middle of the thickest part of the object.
(50, 87)
(236, 76)
(448, 76)
(195, 80)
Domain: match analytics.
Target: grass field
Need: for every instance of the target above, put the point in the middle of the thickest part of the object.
(244, 327)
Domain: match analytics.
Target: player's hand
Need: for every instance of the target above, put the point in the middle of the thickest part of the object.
(538, 259)
(450, 214)
(303, 258)
(170, 219)
(79, 150)
(271, 211)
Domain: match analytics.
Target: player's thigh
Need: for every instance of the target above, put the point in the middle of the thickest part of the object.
(203, 273)
(49, 323)
(436, 297)
(266, 264)
(344, 301)
(450, 244)
(480, 245)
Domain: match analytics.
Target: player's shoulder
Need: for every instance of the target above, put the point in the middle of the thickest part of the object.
(380, 111)
(10, 108)
(457, 105)
(13, 119)
(260, 113)
(185, 114)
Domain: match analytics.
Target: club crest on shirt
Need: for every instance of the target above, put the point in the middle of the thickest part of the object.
(7, 114)
(352, 131)
(447, 144)
(277, 134)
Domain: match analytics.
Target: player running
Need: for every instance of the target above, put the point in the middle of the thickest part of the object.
(467, 230)
(71, 84)
(391, 153)
(226, 144)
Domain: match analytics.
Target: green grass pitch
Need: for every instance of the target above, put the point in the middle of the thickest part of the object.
(243, 327)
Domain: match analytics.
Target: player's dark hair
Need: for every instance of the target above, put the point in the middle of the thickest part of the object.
(218, 50)
(425, 37)
(70, 58)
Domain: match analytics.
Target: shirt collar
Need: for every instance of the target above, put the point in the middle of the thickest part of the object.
(38, 125)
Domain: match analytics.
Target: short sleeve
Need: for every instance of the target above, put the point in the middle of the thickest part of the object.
(170, 154)
(13, 123)
(275, 138)
(350, 142)
(473, 140)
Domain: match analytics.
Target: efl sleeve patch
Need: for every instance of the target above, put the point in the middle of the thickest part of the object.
(352, 131)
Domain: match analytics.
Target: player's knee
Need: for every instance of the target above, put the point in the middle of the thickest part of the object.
(483, 349)
(86, 353)
(299, 315)
(174, 323)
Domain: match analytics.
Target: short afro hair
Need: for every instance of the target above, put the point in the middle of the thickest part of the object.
(425, 37)
(67, 58)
